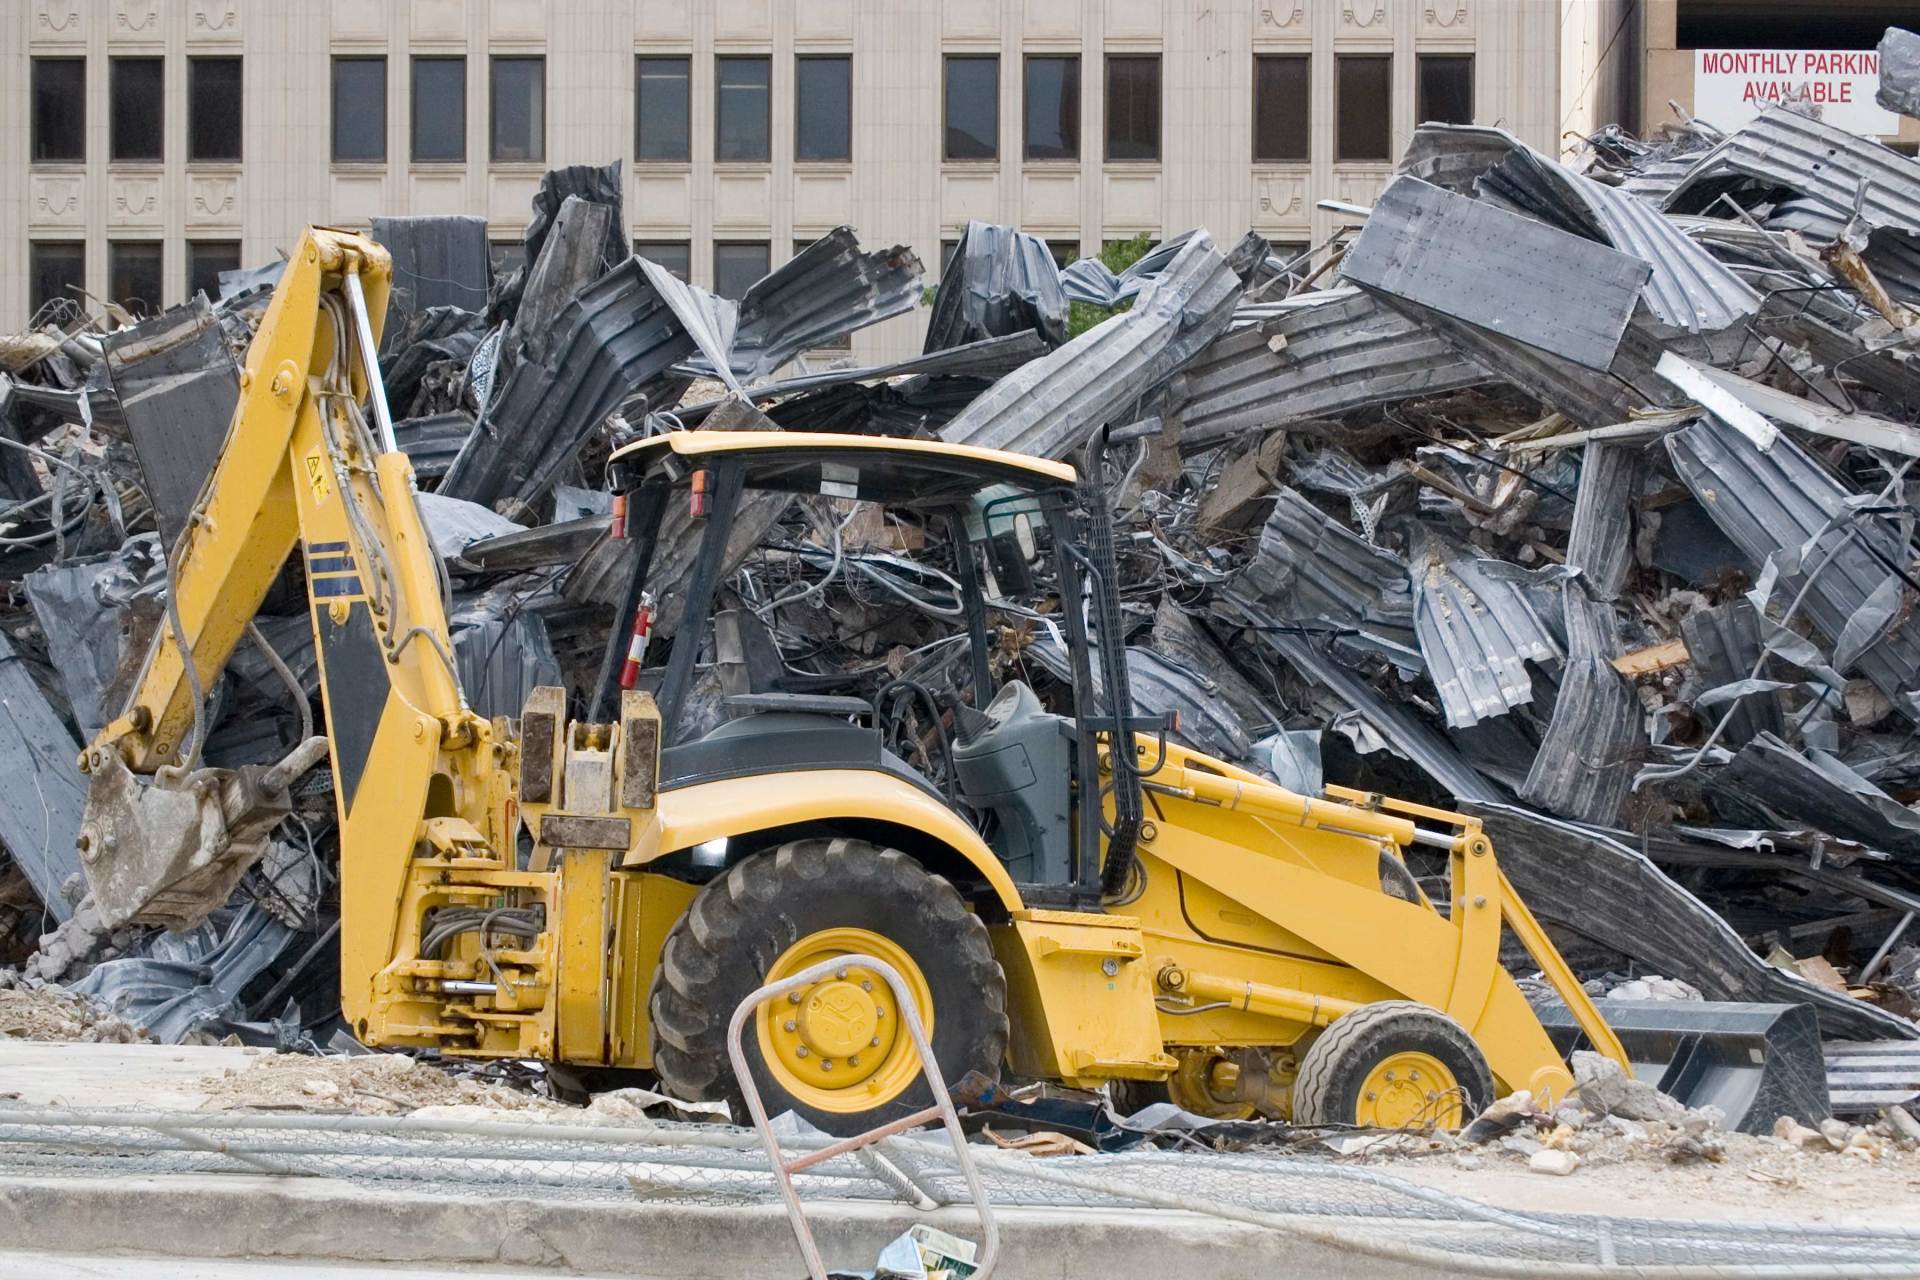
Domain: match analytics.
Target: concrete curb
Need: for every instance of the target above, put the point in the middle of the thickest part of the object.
(260, 1217)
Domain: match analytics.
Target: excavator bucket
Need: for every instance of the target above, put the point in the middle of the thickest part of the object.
(1755, 1062)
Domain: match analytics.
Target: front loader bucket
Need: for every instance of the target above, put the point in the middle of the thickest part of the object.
(1756, 1062)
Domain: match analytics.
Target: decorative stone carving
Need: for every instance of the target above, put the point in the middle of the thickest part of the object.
(213, 198)
(136, 199)
(214, 18)
(136, 17)
(1363, 13)
(1280, 200)
(1446, 15)
(1283, 14)
(56, 198)
(56, 17)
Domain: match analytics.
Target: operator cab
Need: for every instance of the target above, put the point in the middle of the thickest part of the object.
(709, 515)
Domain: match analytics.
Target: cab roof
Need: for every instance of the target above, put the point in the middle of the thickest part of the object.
(883, 463)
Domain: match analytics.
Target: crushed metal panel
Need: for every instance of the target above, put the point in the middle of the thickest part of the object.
(1309, 567)
(1899, 72)
(1049, 407)
(614, 337)
(192, 982)
(177, 386)
(828, 289)
(1810, 415)
(1498, 270)
(1477, 629)
(503, 654)
(41, 796)
(433, 442)
(1319, 355)
(80, 605)
(1814, 789)
(1597, 733)
(998, 282)
(439, 260)
(1600, 544)
(1724, 642)
(1774, 502)
(1595, 886)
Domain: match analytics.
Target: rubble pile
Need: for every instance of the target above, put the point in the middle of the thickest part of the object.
(1575, 495)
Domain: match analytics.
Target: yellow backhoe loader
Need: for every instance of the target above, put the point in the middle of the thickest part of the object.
(1071, 897)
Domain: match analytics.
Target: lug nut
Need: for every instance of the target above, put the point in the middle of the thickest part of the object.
(853, 1062)
(866, 985)
(841, 973)
(793, 997)
(826, 1064)
(791, 1025)
(800, 1051)
(875, 1042)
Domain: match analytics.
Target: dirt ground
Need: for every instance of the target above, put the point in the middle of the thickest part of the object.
(52, 1013)
(364, 1084)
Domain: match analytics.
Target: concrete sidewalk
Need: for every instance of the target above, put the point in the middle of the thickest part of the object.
(249, 1217)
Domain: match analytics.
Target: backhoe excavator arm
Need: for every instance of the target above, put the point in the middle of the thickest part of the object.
(164, 841)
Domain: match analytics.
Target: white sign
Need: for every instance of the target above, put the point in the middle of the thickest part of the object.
(1732, 86)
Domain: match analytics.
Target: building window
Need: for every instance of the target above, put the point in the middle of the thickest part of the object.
(675, 255)
(133, 275)
(1133, 107)
(947, 249)
(439, 110)
(506, 256)
(59, 110)
(1446, 88)
(137, 108)
(737, 264)
(213, 109)
(1282, 106)
(206, 259)
(741, 104)
(1053, 108)
(823, 108)
(359, 110)
(662, 108)
(972, 107)
(57, 269)
(518, 105)
(1065, 252)
(1365, 108)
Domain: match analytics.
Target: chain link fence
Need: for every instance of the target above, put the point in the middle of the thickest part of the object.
(1359, 1210)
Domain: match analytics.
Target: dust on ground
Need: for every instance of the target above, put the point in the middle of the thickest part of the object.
(373, 1084)
(54, 1013)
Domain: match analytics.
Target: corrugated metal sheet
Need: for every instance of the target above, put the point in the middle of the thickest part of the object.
(1052, 405)
(998, 282)
(1818, 791)
(432, 443)
(1318, 355)
(615, 336)
(1597, 732)
(1775, 501)
(440, 260)
(41, 795)
(1091, 281)
(1689, 289)
(828, 289)
(1477, 629)
(1453, 156)
(1724, 644)
(1499, 271)
(1600, 543)
(1595, 886)
(1310, 568)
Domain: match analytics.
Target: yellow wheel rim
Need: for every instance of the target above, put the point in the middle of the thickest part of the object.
(1410, 1091)
(839, 1045)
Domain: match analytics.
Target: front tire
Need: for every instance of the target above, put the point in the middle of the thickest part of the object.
(1394, 1064)
(840, 1056)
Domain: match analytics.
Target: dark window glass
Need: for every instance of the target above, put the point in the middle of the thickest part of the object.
(1133, 107)
(1063, 251)
(206, 259)
(138, 109)
(823, 108)
(1365, 102)
(1053, 108)
(1446, 89)
(213, 108)
(439, 109)
(359, 109)
(57, 268)
(518, 105)
(506, 256)
(1282, 106)
(737, 264)
(741, 91)
(133, 275)
(661, 109)
(59, 109)
(675, 255)
(947, 249)
(973, 108)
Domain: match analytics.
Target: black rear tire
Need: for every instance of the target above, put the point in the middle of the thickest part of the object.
(742, 922)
